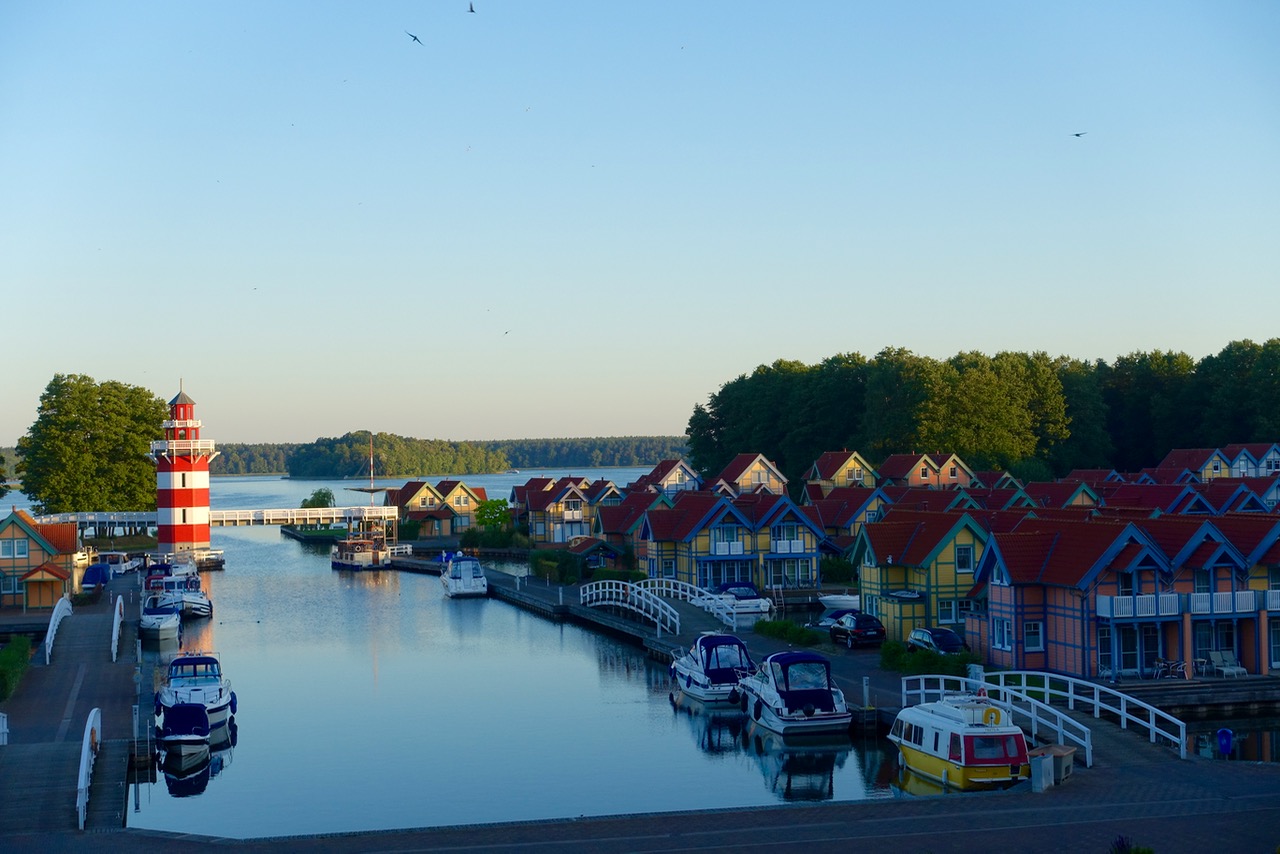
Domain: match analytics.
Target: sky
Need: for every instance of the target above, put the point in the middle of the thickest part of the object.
(553, 219)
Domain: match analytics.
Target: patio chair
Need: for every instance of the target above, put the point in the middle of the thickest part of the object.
(1220, 663)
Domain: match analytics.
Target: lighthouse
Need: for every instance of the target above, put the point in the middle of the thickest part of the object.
(182, 486)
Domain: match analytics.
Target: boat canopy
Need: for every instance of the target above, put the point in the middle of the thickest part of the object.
(723, 657)
(803, 679)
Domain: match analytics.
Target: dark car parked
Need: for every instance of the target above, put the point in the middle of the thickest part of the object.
(856, 628)
(940, 640)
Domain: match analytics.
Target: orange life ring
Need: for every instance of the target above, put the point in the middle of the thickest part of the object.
(991, 717)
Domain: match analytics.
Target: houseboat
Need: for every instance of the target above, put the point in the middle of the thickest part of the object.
(963, 741)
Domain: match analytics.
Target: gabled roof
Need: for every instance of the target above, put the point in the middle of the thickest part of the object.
(46, 568)
(1068, 554)
(24, 522)
(520, 492)
(999, 499)
(1256, 536)
(831, 463)
(1194, 459)
(1061, 493)
(764, 509)
(1230, 496)
(739, 465)
(923, 498)
(1192, 542)
(1167, 475)
(900, 466)
(1095, 476)
(691, 512)
(623, 518)
(1256, 450)
(412, 489)
(663, 470)
(445, 487)
(598, 490)
(913, 538)
(583, 546)
(1167, 498)
(63, 536)
(842, 507)
(994, 479)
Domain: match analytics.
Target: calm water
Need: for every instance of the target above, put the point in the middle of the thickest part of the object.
(369, 701)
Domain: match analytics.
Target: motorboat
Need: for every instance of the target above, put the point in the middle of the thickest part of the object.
(710, 669)
(841, 601)
(792, 693)
(963, 741)
(178, 584)
(96, 575)
(196, 677)
(119, 562)
(360, 551)
(463, 575)
(183, 728)
(161, 618)
(742, 597)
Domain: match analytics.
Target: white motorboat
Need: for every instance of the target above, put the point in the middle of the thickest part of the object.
(179, 585)
(197, 678)
(841, 601)
(118, 562)
(792, 692)
(710, 669)
(161, 619)
(743, 597)
(463, 576)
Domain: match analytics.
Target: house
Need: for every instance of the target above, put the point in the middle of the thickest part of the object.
(1094, 477)
(1230, 495)
(917, 568)
(918, 498)
(909, 470)
(37, 565)
(701, 539)
(843, 512)
(1253, 460)
(999, 499)
(838, 470)
(446, 509)
(996, 480)
(1205, 463)
(669, 477)
(1155, 497)
(952, 471)
(560, 512)
(748, 473)
(1063, 493)
(787, 540)
(619, 524)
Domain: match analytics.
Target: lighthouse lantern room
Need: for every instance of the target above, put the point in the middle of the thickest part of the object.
(182, 487)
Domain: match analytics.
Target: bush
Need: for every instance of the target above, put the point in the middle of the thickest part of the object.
(837, 570)
(555, 565)
(14, 659)
(894, 656)
(792, 633)
(631, 575)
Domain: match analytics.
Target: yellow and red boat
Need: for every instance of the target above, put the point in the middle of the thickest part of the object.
(963, 741)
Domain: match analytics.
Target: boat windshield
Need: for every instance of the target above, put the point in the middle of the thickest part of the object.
(806, 675)
(995, 749)
(727, 656)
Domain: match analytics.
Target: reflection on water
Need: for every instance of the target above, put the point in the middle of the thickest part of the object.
(1238, 739)
(188, 770)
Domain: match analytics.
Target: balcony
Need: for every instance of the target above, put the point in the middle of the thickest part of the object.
(1146, 605)
(788, 547)
(1238, 602)
(573, 515)
(723, 549)
(1243, 602)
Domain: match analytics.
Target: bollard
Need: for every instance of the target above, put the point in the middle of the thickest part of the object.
(866, 692)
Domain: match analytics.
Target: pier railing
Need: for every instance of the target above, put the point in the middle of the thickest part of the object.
(60, 610)
(931, 687)
(1099, 698)
(623, 594)
(116, 623)
(693, 594)
(88, 753)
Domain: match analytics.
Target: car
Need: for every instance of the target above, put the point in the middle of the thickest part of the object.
(936, 639)
(855, 628)
(828, 617)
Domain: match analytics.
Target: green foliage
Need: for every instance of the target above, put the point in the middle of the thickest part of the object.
(1124, 845)
(393, 456)
(837, 570)
(1027, 413)
(14, 659)
(322, 497)
(488, 538)
(789, 631)
(894, 656)
(88, 448)
(555, 565)
(492, 513)
(4, 478)
(629, 575)
(241, 459)
(587, 452)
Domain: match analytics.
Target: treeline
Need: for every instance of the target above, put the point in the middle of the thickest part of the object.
(242, 458)
(393, 456)
(1030, 414)
(589, 453)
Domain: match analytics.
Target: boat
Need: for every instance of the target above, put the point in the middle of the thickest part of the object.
(841, 601)
(184, 728)
(196, 677)
(709, 670)
(463, 575)
(95, 575)
(178, 585)
(792, 693)
(361, 550)
(161, 618)
(963, 741)
(743, 597)
(119, 562)
(799, 768)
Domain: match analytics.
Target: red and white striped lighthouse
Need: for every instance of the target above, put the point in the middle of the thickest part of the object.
(182, 481)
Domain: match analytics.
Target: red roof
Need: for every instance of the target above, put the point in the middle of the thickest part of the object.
(1194, 459)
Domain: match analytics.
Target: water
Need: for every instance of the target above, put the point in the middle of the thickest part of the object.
(369, 701)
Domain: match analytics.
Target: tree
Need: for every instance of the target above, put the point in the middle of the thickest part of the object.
(4, 478)
(88, 448)
(492, 513)
(322, 497)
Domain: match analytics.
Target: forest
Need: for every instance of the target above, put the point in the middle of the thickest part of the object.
(1034, 415)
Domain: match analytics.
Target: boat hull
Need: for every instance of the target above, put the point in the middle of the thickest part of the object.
(793, 723)
(841, 601)
(956, 776)
(160, 629)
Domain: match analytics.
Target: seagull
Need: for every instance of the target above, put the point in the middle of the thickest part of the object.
(471, 7)
(1082, 133)
(410, 35)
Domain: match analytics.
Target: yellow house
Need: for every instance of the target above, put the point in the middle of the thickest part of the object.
(747, 473)
(917, 569)
(837, 470)
(36, 562)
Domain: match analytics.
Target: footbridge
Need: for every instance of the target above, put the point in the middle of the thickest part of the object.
(139, 520)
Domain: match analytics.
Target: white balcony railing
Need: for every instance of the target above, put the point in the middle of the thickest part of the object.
(1273, 600)
(721, 549)
(573, 515)
(788, 547)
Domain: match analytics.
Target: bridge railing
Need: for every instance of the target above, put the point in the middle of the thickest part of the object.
(1099, 698)
(634, 598)
(88, 753)
(60, 610)
(714, 605)
(116, 622)
(4, 729)
(932, 687)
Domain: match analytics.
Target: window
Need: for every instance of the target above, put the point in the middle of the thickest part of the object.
(946, 611)
(924, 472)
(786, 531)
(955, 472)
(461, 523)
(1104, 650)
(1124, 583)
(1033, 636)
(868, 559)
(8, 582)
(964, 558)
(724, 534)
(1217, 466)
(668, 567)
(1202, 581)
(873, 516)
(14, 549)
(855, 474)
(759, 476)
(1002, 634)
(679, 476)
(965, 607)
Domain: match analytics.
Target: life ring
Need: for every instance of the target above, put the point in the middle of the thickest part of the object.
(982, 692)
(991, 717)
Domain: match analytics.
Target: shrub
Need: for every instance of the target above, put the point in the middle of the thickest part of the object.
(631, 575)
(555, 565)
(837, 570)
(14, 659)
(894, 656)
(791, 632)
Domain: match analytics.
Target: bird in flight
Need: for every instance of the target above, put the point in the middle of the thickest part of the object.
(412, 36)
(471, 7)
(1081, 133)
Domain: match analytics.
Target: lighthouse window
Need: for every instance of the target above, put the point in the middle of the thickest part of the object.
(182, 434)
(182, 480)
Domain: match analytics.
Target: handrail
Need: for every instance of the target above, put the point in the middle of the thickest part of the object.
(4, 729)
(88, 753)
(1040, 714)
(693, 594)
(633, 598)
(116, 622)
(60, 610)
(1081, 690)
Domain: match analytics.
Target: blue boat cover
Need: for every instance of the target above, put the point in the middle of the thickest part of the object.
(96, 574)
(806, 680)
(184, 719)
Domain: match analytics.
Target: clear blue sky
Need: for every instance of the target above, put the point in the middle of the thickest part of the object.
(582, 218)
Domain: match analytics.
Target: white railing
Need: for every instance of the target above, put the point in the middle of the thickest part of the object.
(116, 623)
(1273, 600)
(726, 548)
(1228, 602)
(290, 516)
(634, 598)
(130, 517)
(788, 547)
(88, 753)
(1158, 723)
(4, 729)
(188, 446)
(401, 550)
(933, 686)
(573, 515)
(60, 610)
(673, 589)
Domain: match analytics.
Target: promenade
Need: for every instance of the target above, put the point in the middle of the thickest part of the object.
(1135, 789)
